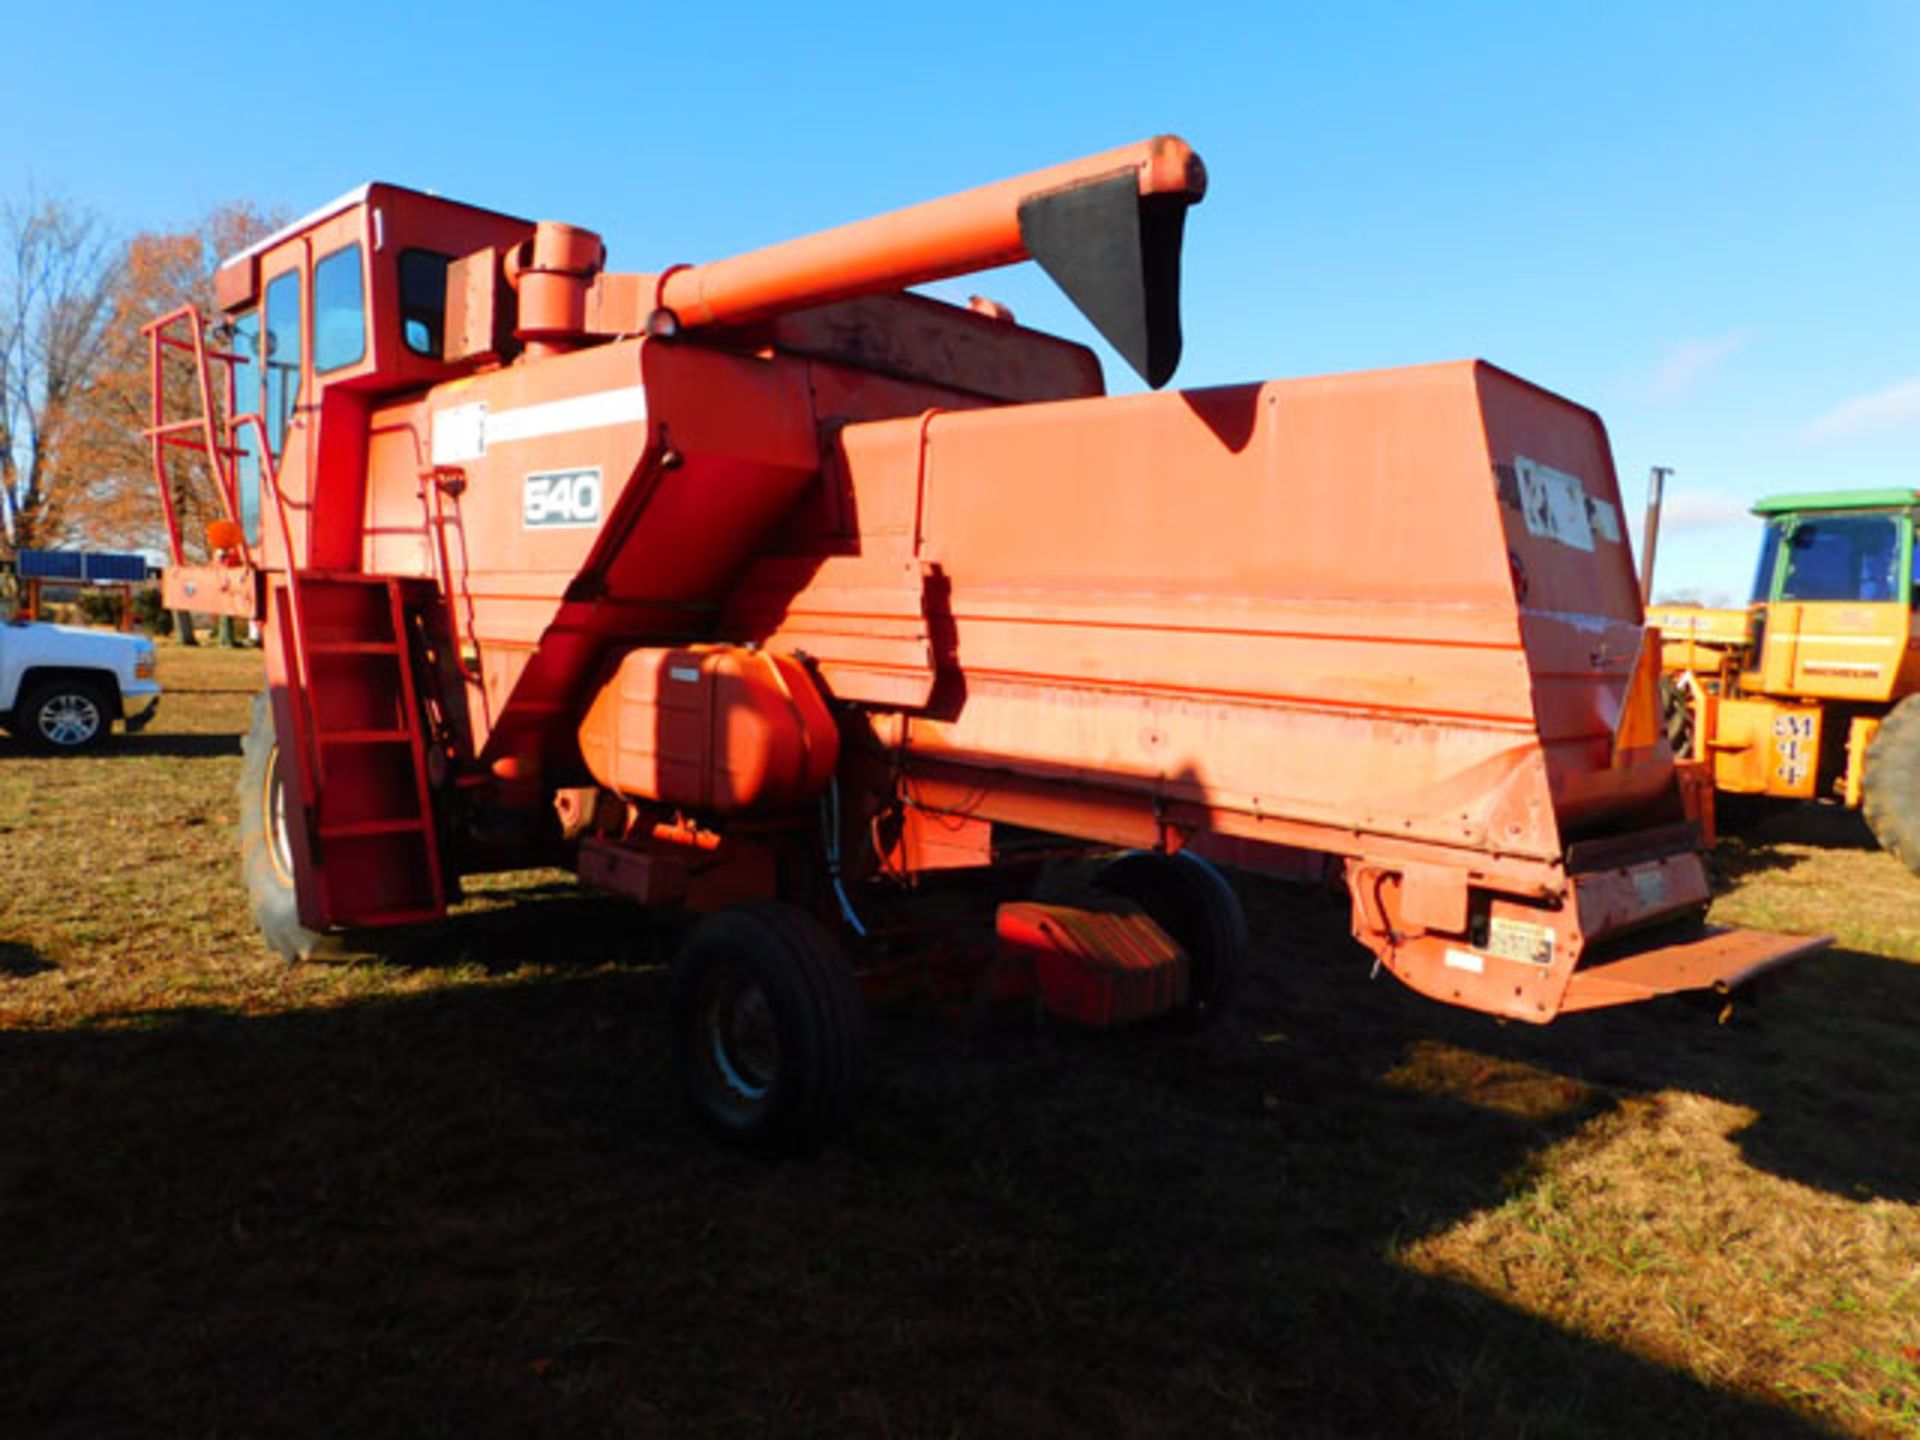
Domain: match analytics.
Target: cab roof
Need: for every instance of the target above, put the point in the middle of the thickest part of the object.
(359, 195)
(1836, 500)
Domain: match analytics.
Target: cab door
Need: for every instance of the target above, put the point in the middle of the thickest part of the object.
(312, 333)
(1837, 625)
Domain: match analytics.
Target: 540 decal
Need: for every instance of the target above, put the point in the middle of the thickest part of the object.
(554, 499)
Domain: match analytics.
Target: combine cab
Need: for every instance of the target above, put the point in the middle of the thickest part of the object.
(766, 588)
(1808, 692)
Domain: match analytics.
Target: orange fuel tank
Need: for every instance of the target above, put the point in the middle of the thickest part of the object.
(723, 729)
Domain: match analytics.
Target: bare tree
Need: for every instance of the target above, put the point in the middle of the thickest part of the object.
(75, 377)
(58, 268)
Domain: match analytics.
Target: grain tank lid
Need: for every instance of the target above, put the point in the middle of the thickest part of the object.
(1836, 500)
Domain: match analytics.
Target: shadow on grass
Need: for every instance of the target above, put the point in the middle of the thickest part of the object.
(480, 1211)
(1752, 826)
(547, 923)
(1735, 860)
(1824, 1051)
(177, 747)
(19, 961)
(1752, 840)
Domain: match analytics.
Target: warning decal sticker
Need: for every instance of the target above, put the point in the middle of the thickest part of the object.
(1554, 503)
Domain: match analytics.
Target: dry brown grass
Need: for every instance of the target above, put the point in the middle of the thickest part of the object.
(121, 895)
(447, 1192)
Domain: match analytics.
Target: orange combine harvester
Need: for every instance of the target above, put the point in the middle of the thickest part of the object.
(765, 588)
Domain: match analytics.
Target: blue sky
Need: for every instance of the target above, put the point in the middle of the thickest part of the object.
(1698, 219)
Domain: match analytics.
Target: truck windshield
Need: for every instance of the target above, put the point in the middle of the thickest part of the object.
(1843, 557)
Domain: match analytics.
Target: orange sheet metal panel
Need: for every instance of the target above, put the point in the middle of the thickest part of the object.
(1848, 651)
(1316, 599)
(609, 495)
(715, 729)
(1700, 626)
(1761, 746)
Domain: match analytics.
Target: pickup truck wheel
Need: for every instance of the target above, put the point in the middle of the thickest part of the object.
(766, 1027)
(1194, 904)
(1890, 783)
(67, 716)
(266, 858)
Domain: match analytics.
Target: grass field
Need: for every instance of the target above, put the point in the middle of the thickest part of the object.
(450, 1192)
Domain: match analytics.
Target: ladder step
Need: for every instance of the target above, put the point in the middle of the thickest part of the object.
(345, 577)
(353, 647)
(361, 829)
(365, 737)
(396, 917)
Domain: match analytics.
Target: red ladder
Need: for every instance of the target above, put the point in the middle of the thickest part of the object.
(359, 787)
(373, 840)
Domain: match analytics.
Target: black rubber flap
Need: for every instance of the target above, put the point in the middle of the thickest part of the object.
(1116, 253)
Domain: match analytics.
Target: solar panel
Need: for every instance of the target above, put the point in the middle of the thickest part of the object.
(52, 565)
(104, 566)
(99, 567)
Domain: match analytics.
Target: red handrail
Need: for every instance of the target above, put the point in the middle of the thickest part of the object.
(302, 676)
(164, 432)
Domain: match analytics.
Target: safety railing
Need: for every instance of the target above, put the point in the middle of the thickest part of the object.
(215, 433)
(201, 431)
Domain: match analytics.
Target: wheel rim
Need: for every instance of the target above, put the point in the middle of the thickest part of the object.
(70, 719)
(740, 1040)
(273, 807)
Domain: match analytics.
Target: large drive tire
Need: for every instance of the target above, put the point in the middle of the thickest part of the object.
(66, 717)
(1890, 783)
(766, 1027)
(1193, 903)
(266, 859)
(1676, 716)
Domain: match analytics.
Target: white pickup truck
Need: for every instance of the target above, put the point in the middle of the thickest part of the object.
(61, 688)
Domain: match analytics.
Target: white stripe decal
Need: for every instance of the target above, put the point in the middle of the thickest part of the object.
(562, 417)
(466, 432)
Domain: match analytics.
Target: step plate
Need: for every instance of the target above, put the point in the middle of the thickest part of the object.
(1714, 959)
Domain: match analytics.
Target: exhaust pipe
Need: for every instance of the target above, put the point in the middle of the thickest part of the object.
(1650, 529)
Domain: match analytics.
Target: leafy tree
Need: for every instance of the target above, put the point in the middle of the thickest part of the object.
(113, 500)
(75, 374)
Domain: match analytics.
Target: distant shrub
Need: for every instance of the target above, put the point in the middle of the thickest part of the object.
(149, 614)
(99, 607)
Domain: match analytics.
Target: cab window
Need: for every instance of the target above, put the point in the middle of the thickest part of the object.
(246, 401)
(1843, 557)
(423, 301)
(281, 358)
(339, 311)
(1769, 556)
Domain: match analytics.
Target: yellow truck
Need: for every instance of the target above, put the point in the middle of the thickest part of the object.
(1809, 692)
